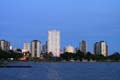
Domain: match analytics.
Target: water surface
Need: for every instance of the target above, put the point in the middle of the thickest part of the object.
(62, 71)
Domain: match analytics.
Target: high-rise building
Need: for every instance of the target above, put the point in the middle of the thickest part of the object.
(70, 49)
(104, 48)
(4, 45)
(36, 49)
(44, 47)
(54, 42)
(26, 47)
(97, 48)
(101, 48)
(83, 46)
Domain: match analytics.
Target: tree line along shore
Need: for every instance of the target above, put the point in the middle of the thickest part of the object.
(74, 57)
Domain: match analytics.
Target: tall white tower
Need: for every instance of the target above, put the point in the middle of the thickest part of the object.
(54, 42)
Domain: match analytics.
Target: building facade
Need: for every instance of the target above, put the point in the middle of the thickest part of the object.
(104, 48)
(70, 49)
(83, 46)
(54, 42)
(26, 47)
(36, 49)
(4, 45)
(44, 47)
(101, 48)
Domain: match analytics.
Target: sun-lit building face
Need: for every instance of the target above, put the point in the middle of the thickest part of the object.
(54, 42)
(69, 49)
(104, 48)
(26, 47)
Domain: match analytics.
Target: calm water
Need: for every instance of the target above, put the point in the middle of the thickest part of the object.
(62, 71)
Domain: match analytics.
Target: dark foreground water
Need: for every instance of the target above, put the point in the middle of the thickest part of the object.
(62, 71)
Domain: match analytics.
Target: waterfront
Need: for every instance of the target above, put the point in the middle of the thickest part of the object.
(62, 71)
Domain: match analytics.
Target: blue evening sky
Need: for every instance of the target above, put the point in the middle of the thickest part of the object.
(91, 20)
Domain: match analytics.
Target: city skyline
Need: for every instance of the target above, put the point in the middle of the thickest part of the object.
(52, 45)
(82, 44)
(26, 20)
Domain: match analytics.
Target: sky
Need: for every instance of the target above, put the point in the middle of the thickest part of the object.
(90, 20)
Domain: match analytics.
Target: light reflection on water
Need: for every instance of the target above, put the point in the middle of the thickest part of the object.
(62, 71)
(53, 73)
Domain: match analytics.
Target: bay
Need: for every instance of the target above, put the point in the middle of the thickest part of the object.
(62, 71)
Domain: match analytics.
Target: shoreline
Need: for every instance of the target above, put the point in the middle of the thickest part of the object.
(6, 62)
